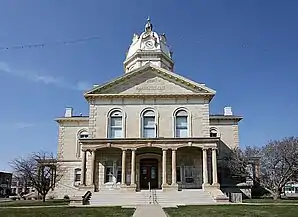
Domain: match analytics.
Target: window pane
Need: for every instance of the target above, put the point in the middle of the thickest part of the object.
(116, 133)
(116, 121)
(149, 133)
(181, 122)
(181, 133)
(178, 174)
(149, 121)
(119, 174)
(109, 174)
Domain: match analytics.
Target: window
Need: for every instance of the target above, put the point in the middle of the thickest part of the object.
(149, 124)
(83, 135)
(115, 125)
(189, 174)
(181, 124)
(213, 133)
(77, 177)
(109, 173)
(119, 173)
(178, 174)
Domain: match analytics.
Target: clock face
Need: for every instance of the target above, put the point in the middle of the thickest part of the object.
(149, 44)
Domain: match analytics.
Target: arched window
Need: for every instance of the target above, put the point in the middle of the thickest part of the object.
(181, 124)
(149, 129)
(115, 125)
(82, 134)
(77, 177)
(213, 132)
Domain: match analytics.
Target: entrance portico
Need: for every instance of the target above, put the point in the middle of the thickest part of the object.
(131, 164)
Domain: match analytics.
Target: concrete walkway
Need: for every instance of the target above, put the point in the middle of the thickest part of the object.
(149, 211)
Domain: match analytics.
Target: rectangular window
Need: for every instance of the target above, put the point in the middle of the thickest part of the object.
(116, 127)
(181, 126)
(77, 177)
(109, 174)
(149, 130)
(189, 174)
(178, 174)
(119, 174)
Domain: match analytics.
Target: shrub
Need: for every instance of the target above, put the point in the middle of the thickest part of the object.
(66, 197)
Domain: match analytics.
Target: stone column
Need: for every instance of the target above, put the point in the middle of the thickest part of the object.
(174, 167)
(92, 167)
(205, 166)
(214, 167)
(123, 167)
(133, 167)
(164, 166)
(83, 169)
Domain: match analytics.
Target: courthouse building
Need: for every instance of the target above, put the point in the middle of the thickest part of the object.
(150, 128)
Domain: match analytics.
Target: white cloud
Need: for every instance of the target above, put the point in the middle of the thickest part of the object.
(43, 78)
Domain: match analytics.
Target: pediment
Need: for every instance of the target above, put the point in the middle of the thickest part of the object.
(151, 81)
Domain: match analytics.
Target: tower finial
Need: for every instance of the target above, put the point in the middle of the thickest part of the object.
(148, 26)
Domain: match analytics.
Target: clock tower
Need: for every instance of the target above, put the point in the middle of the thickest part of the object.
(149, 47)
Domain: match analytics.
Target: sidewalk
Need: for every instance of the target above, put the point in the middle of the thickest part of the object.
(149, 211)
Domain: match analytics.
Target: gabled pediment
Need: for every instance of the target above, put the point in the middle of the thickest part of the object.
(151, 80)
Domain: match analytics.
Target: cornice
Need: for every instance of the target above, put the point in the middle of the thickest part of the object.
(189, 141)
(225, 117)
(72, 119)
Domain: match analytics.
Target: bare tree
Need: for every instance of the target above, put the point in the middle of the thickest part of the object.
(41, 169)
(278, 164)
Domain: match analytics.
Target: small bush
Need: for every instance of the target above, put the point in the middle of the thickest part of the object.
(66, 197)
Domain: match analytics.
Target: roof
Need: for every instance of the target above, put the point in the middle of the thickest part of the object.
(197, 88)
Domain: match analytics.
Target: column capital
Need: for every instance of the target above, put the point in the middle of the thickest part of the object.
(133, 149)
(205, 148)
(165, 149)
(174, 149)
(214, 148)
(124, 149)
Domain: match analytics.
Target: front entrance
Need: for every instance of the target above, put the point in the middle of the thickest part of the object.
(148, 173)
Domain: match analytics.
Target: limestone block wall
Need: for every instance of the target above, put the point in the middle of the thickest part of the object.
(66, 184)
(229, 132)
(68, 138)
(132, 109)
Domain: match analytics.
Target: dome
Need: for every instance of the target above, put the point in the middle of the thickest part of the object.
(149, 41)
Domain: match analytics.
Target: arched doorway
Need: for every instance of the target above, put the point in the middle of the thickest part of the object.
(148, 173)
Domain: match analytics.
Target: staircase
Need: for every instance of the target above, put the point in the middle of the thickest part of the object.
(119, 198)
(163, 198)
(184, 197)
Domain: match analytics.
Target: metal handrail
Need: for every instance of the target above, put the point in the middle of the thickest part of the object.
(150, 193)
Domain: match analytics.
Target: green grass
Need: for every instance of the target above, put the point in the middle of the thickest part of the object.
(66, 212)
(269, 200)
(21, 203)
(234, 211)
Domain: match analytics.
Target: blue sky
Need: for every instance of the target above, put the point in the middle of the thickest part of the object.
(246, 50)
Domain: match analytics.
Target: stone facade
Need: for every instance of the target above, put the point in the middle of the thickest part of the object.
(178, 153)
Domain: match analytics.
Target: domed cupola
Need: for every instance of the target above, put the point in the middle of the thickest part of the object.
(149, 47)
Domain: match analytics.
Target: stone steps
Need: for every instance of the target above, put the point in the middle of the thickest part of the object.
(164, 198)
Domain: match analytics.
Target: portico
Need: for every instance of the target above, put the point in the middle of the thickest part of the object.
(136, 164)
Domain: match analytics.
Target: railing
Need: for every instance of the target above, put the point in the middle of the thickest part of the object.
(86, 197)
(150, 193)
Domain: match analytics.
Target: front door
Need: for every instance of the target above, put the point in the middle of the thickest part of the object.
(149, 173)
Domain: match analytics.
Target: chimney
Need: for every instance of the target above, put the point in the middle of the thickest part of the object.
(68, 112)
(228, 111)
(95, 85)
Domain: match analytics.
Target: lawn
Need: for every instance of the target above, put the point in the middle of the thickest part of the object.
(234, 211)
(66, 212)
(269, 200)
(18, 203)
